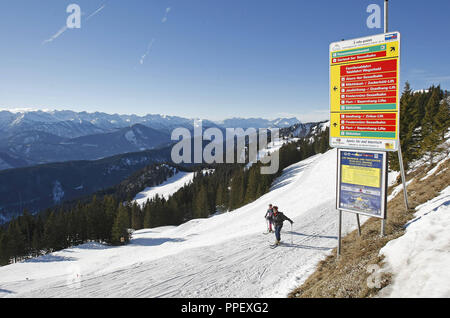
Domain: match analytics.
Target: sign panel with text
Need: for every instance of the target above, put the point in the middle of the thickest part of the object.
(362, 182)
(365, 93)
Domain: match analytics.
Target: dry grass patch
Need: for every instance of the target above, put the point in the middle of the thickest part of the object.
(347, 276)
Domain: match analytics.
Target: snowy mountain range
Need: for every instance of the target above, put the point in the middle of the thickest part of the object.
(70, 124)
(31, 137)
(36, 187)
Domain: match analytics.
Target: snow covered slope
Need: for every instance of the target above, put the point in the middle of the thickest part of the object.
(166, 189)
(226, 255)
(420, 259)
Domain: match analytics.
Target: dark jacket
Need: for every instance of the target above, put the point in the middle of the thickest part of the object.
(279, 218)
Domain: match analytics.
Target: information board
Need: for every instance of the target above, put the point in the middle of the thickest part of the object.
(362, 182)
(365, 93)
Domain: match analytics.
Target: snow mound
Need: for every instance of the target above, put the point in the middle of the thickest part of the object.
(420, 259)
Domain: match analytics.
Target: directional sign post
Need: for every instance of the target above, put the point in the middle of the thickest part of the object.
(365, 120)
(365, 93)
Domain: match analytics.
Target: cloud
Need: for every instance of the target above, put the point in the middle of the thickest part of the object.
(149, 48)
(96, 11)
(150, 45)
(166, 15)
(56, 35)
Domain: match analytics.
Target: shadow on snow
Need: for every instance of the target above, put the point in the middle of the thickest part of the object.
(155, 241)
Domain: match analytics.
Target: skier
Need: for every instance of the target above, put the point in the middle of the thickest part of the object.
(269, 217)
(278, 219)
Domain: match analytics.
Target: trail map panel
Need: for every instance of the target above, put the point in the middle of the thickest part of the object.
(365, 93)
(362, 182)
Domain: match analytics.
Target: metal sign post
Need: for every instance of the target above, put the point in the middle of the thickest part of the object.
(386, 28)
(365, 114)
(399, 151)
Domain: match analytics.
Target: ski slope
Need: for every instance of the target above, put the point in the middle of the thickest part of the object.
(226, 255)
(166, 189)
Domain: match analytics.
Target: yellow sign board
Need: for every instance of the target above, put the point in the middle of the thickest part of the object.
(369, 177)
(365, 92)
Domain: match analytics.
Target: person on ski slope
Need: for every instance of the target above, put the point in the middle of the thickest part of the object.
(278, 219)
(269, 217)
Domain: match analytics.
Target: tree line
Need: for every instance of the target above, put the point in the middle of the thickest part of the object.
(424, 121)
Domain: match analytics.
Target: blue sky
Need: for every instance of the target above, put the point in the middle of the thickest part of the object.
(201, 58)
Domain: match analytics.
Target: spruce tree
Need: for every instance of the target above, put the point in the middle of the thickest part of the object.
(237, 190)
(442, 119)
(147, 215)
(136, 220)
(4, 259)
(201, 207)
(252, 186)
(119, 233)
(15, 242)
(429, 132)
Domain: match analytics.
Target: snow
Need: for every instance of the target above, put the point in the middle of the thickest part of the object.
(57, 192)
(433, 171)
(392, 177)
(324, 126)
(166, 189)
(225, 255)
(398, 189)
(131, 137)
(271, 148)
(424, 161)
(420, 259)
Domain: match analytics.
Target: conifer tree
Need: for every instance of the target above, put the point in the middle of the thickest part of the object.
(15, 242)
(4, 259)
(119, 233)
(136, 220)
(201, 207)
(221, 198)
(429, 131)
(252, 185)
(237, 190)
(147, 215)
(442, 119)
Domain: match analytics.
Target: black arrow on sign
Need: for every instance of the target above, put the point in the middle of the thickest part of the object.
(335, 88)
(392, 48)
(335, 125)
